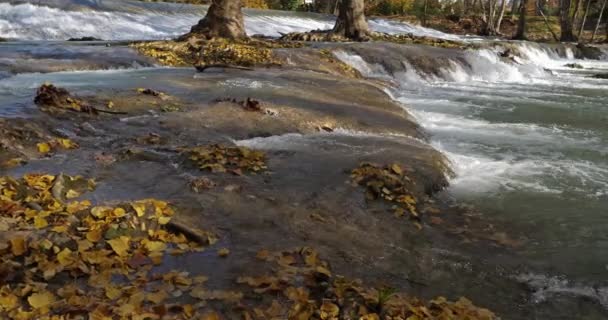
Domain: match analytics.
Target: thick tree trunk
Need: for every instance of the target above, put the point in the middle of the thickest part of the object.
(521, 26)
(566, 23)
(351, 21)
(599, 20)
(224, 19)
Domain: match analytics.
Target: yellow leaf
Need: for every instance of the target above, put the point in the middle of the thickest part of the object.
(76, 206)
(94, 235)
(156, 297)
(211, 316)
(46, 244)
(71, 194)
(139, 207)
(84, 245)
(60, 229)
(163, 220)
(112, 292)
(41, 299)
(8, 301)
(18, 246)
(67, 143)
(153, 246)
(397, 169)
(101, 212)
(119, 212)
(120, 245)
(65, 257)
(40, 222)
(13, 162)
(329, 311)
(43, 147)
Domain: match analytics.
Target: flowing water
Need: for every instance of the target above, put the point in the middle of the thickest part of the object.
(527, 138)
(529, 145)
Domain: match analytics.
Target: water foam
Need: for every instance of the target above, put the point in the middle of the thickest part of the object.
(108, 20)
(545, 287)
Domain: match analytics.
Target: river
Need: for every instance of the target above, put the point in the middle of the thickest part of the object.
(527, 139)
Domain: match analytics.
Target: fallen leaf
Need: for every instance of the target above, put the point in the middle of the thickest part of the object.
(120, 245)
(223, 252)
(43, 147)
(40, 222)
(41, 299)
(18, 246)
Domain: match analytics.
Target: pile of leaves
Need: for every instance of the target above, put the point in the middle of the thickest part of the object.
(219, 158)
(200, 52)
(302, 286)
(64, 258)
(389, 182)
(170, 53)
(230, 53)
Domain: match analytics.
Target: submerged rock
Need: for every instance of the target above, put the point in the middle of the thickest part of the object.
(49, 96)
(85, 39)
(574, 66)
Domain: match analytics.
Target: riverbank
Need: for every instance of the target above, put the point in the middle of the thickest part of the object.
(309, 197)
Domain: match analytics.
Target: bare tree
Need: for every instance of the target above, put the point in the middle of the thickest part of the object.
(514, 8)
(503, 8)
(489, 17)
(224, 19)
(351, 21)
(599, 20)
(580, 31)
(547, 24)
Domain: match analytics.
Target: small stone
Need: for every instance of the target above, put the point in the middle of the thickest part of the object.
(233, 188)
(223, 252)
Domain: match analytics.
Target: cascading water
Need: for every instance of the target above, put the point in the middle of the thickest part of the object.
(525, 132)
(528, 140)
(132, 20)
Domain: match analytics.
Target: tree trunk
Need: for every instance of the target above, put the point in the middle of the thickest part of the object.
(514, 6)
(503, 8)
(426, 3)
(521, 26)
(540, 10)
(351, 21)
(599, 20)
(582, 28)
(224, 19)
(566, 23)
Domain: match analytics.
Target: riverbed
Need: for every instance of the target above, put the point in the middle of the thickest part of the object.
(526, 139)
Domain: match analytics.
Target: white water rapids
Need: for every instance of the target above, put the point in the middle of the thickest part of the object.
(110, 20)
